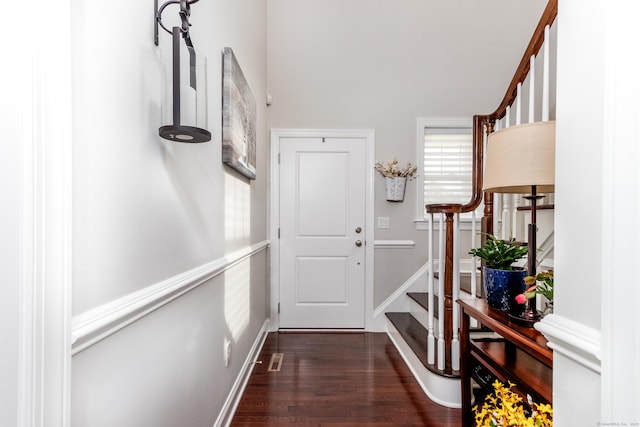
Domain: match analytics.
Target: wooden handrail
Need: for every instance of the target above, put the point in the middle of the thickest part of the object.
(537, 39)
(479, 123)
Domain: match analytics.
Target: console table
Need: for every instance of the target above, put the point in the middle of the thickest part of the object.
(519, 355)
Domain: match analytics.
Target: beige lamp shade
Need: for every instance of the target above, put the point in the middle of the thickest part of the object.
(521, 156)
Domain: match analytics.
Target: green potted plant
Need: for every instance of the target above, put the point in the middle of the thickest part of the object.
(502, 281)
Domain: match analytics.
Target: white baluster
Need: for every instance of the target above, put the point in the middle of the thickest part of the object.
(474, 264)
(545, 76)
(431, 339)
(455, 340)
(506, 216)
(519, 104)
(507, 117)
(532, 88)
(515, 230)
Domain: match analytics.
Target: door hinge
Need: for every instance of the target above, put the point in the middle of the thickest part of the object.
(278, 233)
(278, 308)
(278, 158)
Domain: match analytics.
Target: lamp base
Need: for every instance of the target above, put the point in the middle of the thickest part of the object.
(180, 133)
(527, 318)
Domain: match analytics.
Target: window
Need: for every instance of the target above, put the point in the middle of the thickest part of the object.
(445, 148)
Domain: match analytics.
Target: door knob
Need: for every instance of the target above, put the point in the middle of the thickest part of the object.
(358, 243)
(358, 230)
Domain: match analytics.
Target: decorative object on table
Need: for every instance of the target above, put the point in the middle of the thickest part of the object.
(502, 281)
(238, 118)
(541, 284)
(521, 159)
(187, 91)
(506, 408)
(396, 178)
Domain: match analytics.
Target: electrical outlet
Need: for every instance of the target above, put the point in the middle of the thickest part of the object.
(227, 352)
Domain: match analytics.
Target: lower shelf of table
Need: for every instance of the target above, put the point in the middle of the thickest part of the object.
(506, 362)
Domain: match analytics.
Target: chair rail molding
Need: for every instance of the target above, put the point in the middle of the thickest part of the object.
(97, 324)
(574, 340)
(394, 244)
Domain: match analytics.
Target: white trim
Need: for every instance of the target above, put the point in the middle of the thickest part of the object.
(444, 391)
(394, 244)
(274, 186)
(574, 340)
(44, 371)
(323, 330)
(97, 324)
(620, 320)
(401, 291)
(235, 394)
(466, 224)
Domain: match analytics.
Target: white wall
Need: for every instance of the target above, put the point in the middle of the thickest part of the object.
(595, 325)
(580, 66)
(381, 64)
(10, 252)
(146, 211)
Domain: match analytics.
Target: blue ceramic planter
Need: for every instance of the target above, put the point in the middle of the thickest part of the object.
(501, 288)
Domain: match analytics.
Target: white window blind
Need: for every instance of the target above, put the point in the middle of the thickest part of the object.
(448, 162)
(447, 165)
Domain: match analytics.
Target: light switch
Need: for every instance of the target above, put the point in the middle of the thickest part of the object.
(383, 222)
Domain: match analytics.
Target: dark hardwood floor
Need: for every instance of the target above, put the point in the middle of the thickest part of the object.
(337, 379)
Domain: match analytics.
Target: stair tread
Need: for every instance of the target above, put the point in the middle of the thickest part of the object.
(415, 335)
(422, 298)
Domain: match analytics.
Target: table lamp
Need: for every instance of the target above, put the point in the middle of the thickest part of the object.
(521, 159)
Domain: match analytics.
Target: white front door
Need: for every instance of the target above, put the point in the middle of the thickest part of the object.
(322, 220)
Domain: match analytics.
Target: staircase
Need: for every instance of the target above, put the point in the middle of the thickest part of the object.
(409, 331)
(432, 348)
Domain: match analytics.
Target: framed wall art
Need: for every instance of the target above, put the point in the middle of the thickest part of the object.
(238, 118)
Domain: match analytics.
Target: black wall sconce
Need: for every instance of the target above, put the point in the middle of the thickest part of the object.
(188, 86)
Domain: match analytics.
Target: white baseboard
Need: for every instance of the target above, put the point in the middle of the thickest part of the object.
(233, 399)
(442, 390)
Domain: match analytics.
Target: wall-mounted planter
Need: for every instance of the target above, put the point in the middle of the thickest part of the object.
(395, 188)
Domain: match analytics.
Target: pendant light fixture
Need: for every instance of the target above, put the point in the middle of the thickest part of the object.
(188, 80)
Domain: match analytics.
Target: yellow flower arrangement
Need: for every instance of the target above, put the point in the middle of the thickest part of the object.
(504, 408)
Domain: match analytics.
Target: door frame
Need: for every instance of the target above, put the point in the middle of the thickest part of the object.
(274, 213)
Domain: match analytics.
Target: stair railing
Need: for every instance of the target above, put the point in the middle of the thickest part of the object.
(504, 115)
(483, 125)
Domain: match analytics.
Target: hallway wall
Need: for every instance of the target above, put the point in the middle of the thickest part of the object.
(152, 217)
(382, 64)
